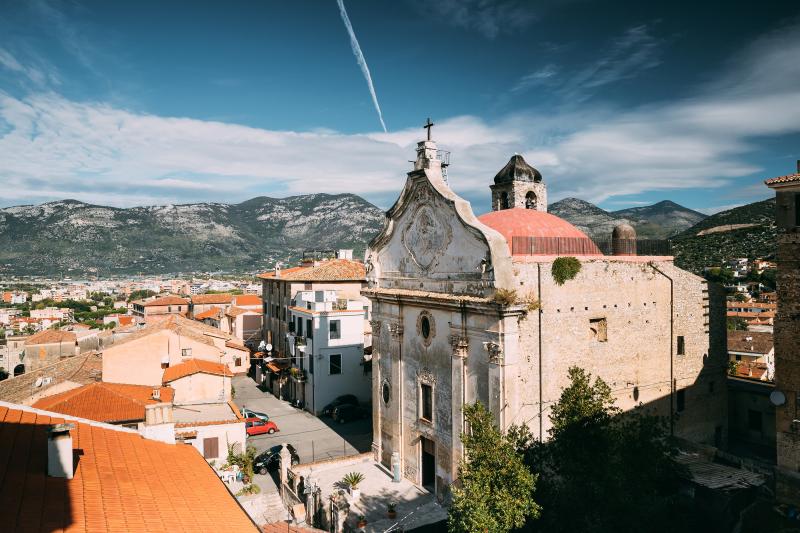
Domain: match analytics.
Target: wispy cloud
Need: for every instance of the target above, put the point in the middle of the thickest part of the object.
(490, 18)
(52, 147)
(362, 62)
(634, 52)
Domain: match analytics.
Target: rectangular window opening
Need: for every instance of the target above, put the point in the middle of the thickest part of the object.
(335, 364)
(334, 329)
(681, 345)
(427, 402)
(598, 329)
(681, 400)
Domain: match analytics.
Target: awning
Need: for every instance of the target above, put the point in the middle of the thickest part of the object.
(273, 368)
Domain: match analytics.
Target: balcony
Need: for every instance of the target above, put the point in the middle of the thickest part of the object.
(299, 375)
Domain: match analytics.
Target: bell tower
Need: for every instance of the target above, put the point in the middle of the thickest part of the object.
(518, 185)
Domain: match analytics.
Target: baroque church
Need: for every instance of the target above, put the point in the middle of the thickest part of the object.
(467, 309)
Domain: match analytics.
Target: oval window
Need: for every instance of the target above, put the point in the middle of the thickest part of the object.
(425, 326)
(385, 393)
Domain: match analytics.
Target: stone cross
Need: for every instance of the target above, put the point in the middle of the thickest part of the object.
(428, 125)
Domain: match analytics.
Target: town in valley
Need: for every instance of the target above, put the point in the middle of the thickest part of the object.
(494, 321)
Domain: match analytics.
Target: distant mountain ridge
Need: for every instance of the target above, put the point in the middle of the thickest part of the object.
(69, 237)
(746, 231)
(658, 221)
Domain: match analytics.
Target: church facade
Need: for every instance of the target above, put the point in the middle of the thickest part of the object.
(466, 309)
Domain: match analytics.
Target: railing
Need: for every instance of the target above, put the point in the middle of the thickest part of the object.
(587, 246)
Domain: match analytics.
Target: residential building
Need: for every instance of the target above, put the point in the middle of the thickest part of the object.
(468, 308)
(328, 349)
(198, 381)
(69, 473)
(204, 302)
(754, 352)
(160, 308)
(787, 336)
(280, 286)
(49, 346)
(141, 357)
(119, 320)
(54, 378)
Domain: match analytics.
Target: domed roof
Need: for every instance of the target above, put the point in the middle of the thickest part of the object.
(623, 231)
(546, 228)
(517, 169)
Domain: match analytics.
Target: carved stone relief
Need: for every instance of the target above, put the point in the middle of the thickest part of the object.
(495, 352)
(427, 235)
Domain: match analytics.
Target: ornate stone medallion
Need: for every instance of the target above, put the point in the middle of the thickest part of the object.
(426, 237)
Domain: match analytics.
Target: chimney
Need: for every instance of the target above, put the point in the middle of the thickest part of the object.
(156, 394)
(59, 451)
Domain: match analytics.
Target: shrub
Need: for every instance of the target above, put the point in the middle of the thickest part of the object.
(353, 479)
(505, 296)
(531, 302)
(565, 268)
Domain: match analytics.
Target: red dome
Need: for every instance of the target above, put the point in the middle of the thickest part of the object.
(551, 235)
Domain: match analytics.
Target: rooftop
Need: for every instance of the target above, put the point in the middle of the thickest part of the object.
(105, 402)
(122, 482)
(214, 312)
(789, 178)
(329, 270)
(246, 299)
(51, 336)
(166, 300)
(195, 366)
(521, 222)
(187, 415)
(517, 169)
(750, 342)
(224, 298)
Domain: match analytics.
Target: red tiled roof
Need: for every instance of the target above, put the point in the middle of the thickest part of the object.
(330, 270)
(283, 527)
(224, 298)
(166, 300)
(246, 299)
(756, 342)
(783, 179)
(754, 371)
(236, 311)
(51, 336)
(121, 481)
(105, 402)
(521, 222)
(235, 344)
(214, 312)
(195, 366)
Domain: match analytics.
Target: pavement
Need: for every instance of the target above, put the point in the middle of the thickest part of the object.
(314, 438)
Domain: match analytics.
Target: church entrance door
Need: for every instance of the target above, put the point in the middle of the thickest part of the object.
(428, 464)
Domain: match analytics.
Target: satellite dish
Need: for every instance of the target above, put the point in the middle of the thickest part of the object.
(269, 347)
(777, 398)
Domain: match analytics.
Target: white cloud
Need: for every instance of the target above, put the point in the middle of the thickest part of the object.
(51, 147)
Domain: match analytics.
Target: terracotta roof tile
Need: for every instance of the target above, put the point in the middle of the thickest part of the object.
(330, 270)
(236, 311)
(166, 300)
(247, 299)
(51, 336)
(756, 342)
(105, 402)
(214, 312)
(783, 179)
(224, 298)
(195, 366)
(122, 482)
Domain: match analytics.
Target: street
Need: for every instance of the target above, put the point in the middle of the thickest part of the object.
(314, 438)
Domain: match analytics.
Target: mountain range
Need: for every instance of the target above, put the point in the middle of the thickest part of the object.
(73, 238)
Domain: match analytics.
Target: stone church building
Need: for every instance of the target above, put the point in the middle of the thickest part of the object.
(466, 309)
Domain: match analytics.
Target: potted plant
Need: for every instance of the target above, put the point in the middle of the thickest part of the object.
(362, 521)
(391, 509)
(352, 481)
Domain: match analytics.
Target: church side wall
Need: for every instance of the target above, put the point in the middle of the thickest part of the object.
(613, 320)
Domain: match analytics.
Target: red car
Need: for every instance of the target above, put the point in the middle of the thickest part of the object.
(256, 426)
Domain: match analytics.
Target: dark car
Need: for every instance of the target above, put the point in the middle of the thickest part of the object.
(347, 399)
(346, 413)
(271, 459)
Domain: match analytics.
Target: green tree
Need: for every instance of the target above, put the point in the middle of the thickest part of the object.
(495, 491)
(736, 323)
(605, 470)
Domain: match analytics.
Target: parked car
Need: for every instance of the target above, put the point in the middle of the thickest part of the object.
(347, 399)
(256, 426)
(346, 413)
(248, 413)
(271, 459)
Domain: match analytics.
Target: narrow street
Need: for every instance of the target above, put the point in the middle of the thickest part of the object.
(314, 438)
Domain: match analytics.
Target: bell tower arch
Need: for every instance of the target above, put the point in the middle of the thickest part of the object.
(519, 185)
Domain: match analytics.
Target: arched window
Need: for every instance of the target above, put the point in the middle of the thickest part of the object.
(530, 200)
(503, 200)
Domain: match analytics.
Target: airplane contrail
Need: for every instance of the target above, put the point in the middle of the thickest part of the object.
(361, 61)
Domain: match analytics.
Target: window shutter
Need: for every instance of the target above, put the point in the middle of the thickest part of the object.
(211, 448)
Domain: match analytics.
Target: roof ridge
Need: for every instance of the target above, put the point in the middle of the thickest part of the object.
(53, 414)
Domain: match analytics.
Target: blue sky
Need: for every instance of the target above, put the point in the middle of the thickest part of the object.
(619, 103)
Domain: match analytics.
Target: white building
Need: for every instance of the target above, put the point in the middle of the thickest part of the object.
(328, 348)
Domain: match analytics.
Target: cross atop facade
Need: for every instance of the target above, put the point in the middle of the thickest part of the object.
(428, 125)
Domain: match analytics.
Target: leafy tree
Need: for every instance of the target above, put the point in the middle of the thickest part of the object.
(736, 323)
(605, 470)
(496, 487)
(768, 279)
(139, 294)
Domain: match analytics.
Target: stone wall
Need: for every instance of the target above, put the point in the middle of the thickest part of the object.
(77, 369)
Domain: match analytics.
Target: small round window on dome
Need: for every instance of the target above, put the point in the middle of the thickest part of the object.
(425, 326)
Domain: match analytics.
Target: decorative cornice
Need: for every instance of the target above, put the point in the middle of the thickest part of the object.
(460, 345)
(395, 329)
(424, 375)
